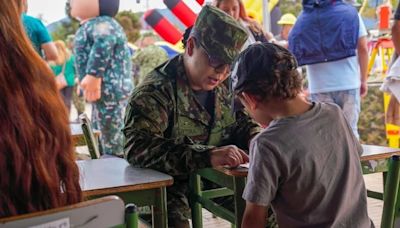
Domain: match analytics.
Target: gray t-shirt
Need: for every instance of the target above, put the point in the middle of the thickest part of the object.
(307, 167)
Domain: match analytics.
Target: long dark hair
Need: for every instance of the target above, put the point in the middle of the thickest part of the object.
(37, 163)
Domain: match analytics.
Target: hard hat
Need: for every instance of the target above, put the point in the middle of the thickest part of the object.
(287, 19)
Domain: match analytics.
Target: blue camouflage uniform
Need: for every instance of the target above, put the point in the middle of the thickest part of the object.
(101, 50)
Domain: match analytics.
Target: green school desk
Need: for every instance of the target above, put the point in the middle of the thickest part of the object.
(115, 176)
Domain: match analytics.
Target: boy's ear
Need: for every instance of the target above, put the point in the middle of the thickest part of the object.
(251, 100)
(190, 46)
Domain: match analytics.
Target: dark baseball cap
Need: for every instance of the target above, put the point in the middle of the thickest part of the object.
(259, 62)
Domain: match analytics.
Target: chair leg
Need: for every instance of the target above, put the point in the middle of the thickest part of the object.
(90, 138)
(131, 216)
(195, 189)
(239, 184)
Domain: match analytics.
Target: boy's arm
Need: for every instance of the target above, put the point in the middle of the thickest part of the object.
(254, 216)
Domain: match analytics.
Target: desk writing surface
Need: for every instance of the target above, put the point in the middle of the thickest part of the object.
(117, 175)
(234, 172)
(371, 152)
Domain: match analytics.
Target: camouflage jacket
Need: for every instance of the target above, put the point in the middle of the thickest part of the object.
(168, 130)
(147, 59)
(101, 50)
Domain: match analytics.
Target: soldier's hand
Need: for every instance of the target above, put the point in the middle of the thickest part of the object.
(230, 156)
(91, 87)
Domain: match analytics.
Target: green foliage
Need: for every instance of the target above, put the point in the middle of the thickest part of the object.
(64, 29)
(291, 6)
(131, 24)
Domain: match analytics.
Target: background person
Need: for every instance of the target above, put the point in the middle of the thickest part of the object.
(77, 96)
(235, 9)
(64, 69)
(147, 57)
(37, 160)
(339, 75)
(38, 35)
(287, 22)
(104, 65)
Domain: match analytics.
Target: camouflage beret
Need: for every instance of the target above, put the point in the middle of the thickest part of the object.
(220, 34)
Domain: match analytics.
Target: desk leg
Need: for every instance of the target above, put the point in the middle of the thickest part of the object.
(384, 176)
(195, 189)
(160, 215)
(239, 183)
(391, 191)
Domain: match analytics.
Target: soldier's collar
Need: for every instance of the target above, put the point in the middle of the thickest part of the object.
(170, 67)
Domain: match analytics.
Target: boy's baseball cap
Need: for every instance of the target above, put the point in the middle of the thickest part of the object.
(259, 62)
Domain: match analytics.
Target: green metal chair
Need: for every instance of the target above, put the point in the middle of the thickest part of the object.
(230, 186)
(90, 138)
(107, 211)
(391, 201)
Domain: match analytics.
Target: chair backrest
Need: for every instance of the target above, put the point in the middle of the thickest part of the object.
(90, 138)
(391, 201)
(107, 211)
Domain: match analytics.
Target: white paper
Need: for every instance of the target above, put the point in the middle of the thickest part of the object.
(60, 223)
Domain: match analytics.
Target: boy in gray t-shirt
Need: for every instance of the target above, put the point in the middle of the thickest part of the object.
(306, 163)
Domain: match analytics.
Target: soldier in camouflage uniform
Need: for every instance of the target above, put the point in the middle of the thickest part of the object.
(179, 119)
(146, 59)
(104, 67)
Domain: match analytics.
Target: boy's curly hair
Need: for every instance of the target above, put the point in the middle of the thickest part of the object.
(267, 71)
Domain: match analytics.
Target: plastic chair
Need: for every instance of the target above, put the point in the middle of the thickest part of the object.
(90, 138)
(391, 201)
(107, 211)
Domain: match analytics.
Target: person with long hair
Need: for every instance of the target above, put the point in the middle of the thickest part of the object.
(37, 162)
(64, 69)
(235, 8)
